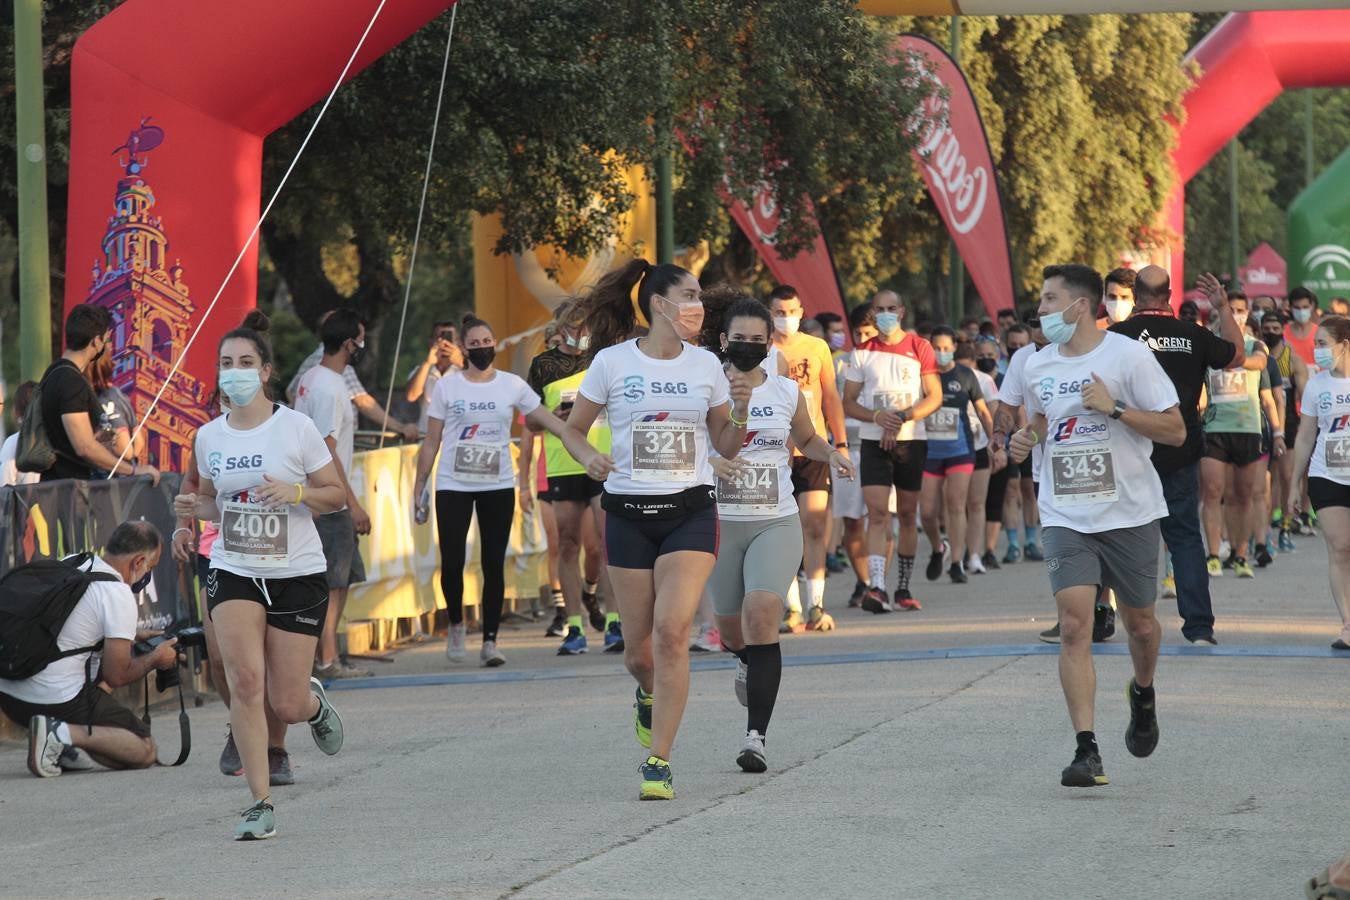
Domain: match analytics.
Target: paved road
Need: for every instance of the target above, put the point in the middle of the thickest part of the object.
(896, 770)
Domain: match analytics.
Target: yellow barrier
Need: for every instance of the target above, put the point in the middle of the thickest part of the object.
(402, 558)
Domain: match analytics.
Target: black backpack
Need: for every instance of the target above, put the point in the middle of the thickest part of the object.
(35, 452)
(35, 601)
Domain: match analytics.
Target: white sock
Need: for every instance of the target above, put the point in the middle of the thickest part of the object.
(591, 588)
(876, 571)
(794, 597)
(815, 590)
(63, 733)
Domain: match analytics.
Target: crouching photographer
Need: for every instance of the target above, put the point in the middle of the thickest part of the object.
(48, 685)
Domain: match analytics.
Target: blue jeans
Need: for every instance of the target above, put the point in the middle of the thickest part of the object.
(1181, 533)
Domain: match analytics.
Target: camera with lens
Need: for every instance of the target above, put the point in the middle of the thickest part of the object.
(193, 636)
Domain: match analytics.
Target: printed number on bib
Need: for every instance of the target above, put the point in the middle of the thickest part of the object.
(1338, 456)
(254, 536)
(942, 424)
(1083, 474)
(1228, 386)
(664, 447)
(478, 454)
(753, 490)
(897, 400)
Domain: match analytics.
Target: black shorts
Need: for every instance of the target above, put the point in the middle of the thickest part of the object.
(981, 459)
(998, 489)
(1232, 448)
(572, 489)
(634, 544)
(1323, 492)
(90, 706)
(901, 467)
(1025, 469)
(298, 604)
(809, 475)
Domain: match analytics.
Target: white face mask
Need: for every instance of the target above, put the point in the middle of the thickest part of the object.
(1241, 319)
(787, 325)
(1119, 310)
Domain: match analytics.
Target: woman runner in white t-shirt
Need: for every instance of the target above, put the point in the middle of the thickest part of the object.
(760, 530)
(469, 423)
(667, 403)
(264, 472)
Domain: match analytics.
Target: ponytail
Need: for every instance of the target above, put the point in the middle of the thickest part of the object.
(717, 302)
(615, 312)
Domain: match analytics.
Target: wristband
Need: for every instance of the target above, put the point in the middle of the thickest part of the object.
(299, 492)
(176, 530)
(1277, 434)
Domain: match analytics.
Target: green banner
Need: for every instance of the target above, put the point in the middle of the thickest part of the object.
(1319, 234)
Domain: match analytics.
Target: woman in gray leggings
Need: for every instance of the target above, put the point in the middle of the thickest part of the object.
(757, 514)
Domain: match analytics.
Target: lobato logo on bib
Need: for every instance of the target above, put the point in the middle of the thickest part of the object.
(633, 389)
(1078, 428)
(468, 432)
(1340, 423)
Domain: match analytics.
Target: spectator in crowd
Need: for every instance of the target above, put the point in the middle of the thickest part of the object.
(835, 328)
(365, 404)
(71, 412)
(9, 473)
(117, 421)
(970, 326)
(1007, 318)
(443, 355)
(1339, 306)
(1189, 311)
(61, 708)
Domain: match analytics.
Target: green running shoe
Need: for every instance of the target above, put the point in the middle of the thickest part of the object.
(258, 823)
(326, 726)
(657, 782)
(642, 718)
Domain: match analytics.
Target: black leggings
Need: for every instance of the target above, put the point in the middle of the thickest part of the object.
(454, 509)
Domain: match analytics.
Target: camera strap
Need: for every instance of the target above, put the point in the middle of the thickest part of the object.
(183, 726)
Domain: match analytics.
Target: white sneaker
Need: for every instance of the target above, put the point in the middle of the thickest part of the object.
(44, 748)
(1225, 549)
(752, 753)
(454, 643)
(703, 642)
(742, 672)
(73, 759)
(490, 656)
(974, 565)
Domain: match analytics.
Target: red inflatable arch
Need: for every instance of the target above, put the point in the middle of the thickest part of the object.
(1245, 63)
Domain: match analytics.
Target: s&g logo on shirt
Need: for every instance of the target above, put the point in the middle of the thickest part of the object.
(457, 407)
(482, 406)
(633, 389)
(669, 387)
(1324, 401)
(1046, 389)
(213, 464)
(233, 463)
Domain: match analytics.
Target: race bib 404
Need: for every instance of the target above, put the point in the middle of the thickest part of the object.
(752, 490)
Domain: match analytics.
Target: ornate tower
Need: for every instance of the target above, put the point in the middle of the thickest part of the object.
(152, 315)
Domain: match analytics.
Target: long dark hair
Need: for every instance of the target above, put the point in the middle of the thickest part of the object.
(611, 317)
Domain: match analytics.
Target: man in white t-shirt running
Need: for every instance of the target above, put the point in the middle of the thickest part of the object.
(1098, 401)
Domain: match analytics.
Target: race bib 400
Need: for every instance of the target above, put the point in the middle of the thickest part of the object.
(254, 536)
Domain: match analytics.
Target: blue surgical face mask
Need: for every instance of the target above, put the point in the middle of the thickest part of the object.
(887, 322)
(1055, 329)
(1325, 357)
(240, 385)
(1303, 315)
(944, 357)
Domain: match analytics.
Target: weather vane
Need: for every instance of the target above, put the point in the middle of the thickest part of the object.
(140, 142)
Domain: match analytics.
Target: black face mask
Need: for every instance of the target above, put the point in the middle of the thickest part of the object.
(143, 582)
(986, 365)
(358, 353)
(1272, 339)
(745, 355)
(481, 357)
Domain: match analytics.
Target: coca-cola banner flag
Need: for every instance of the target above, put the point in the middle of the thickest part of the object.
(811, 272)
(953, 154)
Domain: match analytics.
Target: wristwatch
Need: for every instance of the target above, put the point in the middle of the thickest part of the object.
(841, 446)
(1118, 411)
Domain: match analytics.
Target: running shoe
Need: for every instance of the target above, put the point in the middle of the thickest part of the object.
(1230, 560)
(707, 640)
(74, 760)
(904, 600)
(44, 747)
(489, 657)
(1169, 591)
(642, 717)
(990, 560)
(558, 627)
(836, 562)
(593, 611)
(958, 574)
(279, 767)
(1309, 519)
(856, 598)
(230, 764)
(1214, 566)
(936, 561)
(819, 620)
(454, 643)
(1204, 639)
(1034, 554)
(752, 753)
(1286, 542)
(340, 669)
(1226, 551)
(1013, 555)
(1103, 623)
(1263, 556)
(792, 623)
(613, 634)
(574, 644)
(257, 824)
(1243, 569)
(1085, 770)
(742, 676)
(657, 782)
(1051, 635)
(876, 601)
(1141, 737)
(326, 726)
(1340, 644)
(974, 565)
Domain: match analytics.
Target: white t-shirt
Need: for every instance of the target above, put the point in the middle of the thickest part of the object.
(424, 402)
(658, 416)
(1014, 393)
(9, 471)
(763, 490)
(323, 396)
(1327, 397)
(258, 541)
(892, 378)
(1098, 473)
(989, 388)
(107, 610)
(476, 439)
